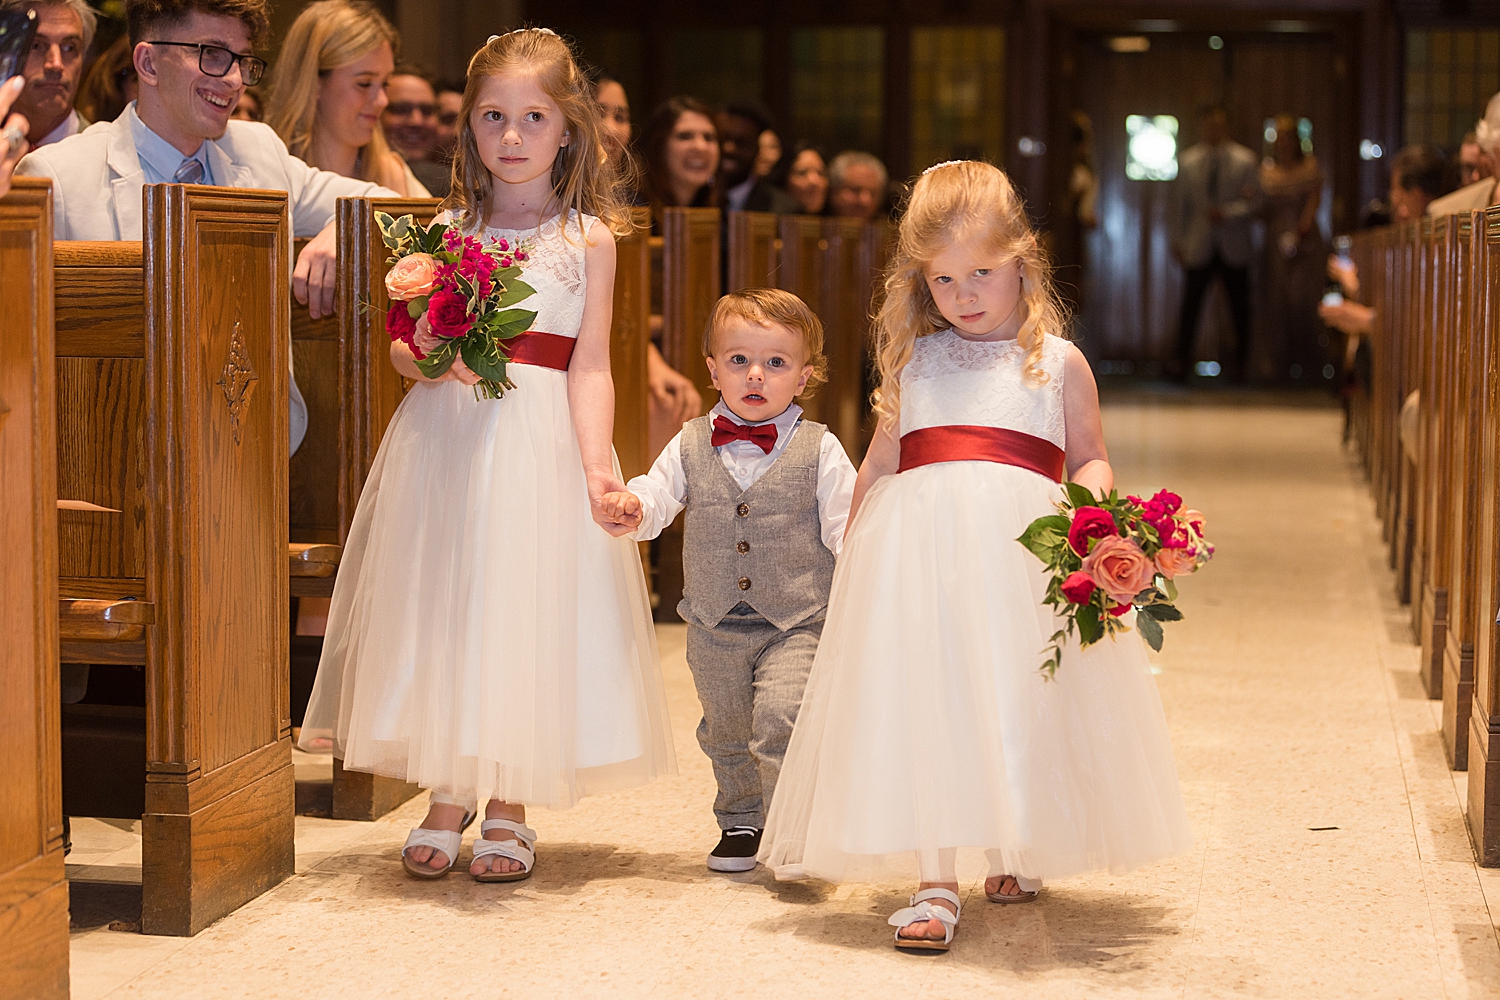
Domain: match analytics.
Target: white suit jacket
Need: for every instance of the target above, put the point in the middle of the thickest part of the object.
(97, 185)
(1194, 235)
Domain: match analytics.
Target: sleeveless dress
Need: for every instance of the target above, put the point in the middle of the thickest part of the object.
(486, 637)
(927, 724)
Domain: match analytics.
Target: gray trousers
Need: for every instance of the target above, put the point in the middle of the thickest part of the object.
(750, 677)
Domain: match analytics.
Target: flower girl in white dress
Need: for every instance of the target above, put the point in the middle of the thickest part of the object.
(928, 726)
(487, 639)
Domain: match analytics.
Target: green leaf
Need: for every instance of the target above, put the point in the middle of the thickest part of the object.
(483, 359)
(513, 322)
(506, 275)
(515, 291)
(446, 257)
(436, 364)
(1166, 587)
(416, 307)
(1080, 496)
(1161, 612)
(1044, 536)
(1090, 629)
(433, 240)
(1150, 630)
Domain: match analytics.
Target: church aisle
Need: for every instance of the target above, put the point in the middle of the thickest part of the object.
(1331, 856)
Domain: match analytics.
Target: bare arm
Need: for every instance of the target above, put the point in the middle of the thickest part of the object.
(1087, 459)
(405, 362)
(591, 389)
(883, 458)
(1309, 211)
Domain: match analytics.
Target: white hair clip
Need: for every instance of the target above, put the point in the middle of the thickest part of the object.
(545, 31)
(939, 166)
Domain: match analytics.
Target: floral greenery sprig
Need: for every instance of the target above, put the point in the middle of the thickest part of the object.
(454, 296)
(1107, 556)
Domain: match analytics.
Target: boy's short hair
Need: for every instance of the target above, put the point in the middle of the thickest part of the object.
(145, 17)
(772, 307)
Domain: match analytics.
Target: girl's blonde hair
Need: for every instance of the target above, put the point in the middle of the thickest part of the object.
(582, 178)
(962, 201)
(326, 35)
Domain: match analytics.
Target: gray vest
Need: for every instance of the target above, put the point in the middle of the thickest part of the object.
(764, 545)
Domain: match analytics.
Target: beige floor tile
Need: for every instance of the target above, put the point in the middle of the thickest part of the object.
(1292, 696)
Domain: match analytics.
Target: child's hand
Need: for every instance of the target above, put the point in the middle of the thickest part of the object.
(459, 372)
(621, 510)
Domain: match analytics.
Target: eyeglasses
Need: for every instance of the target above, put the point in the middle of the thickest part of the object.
(404, 109)
(215, 60)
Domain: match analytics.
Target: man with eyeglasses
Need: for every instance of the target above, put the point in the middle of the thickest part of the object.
(193, 59)
(410, 120)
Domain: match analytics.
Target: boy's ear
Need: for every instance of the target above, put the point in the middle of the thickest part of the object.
(807, 373)
(713, 372)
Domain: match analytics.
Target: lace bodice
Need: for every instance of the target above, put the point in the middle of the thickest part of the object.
(950, 380)
(555, 270)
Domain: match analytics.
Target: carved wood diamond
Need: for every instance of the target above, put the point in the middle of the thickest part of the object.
(237, 379)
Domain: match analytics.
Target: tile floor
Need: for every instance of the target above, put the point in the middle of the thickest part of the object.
(1331, 857)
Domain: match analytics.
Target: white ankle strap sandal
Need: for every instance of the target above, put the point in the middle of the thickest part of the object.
(520, 846)
(921, 908)
(447, 841)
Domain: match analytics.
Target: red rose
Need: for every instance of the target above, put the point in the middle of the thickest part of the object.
(448, 314)
(1168, 499)
(1119, 609)
(1078, 587)
(1089, 523)
(398, 322)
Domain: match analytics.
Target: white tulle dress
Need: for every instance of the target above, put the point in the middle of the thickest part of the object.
(486, 638)
(926, 725)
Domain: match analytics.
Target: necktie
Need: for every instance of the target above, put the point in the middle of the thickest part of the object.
(191, 172)
(725, 431)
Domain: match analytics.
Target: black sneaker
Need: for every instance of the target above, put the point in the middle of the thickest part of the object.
(736, 850)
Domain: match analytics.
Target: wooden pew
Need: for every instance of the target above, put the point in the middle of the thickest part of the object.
(172, 408)
(33, 889)
(351, 390)
(1412, 285)
(629, 337)
(754, 255)
(690, 287)
(1435, 365)
(1462, 383)
(1484, 721)
(843, 305)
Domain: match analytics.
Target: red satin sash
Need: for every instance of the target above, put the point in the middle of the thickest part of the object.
(966, 443)
(545, 350)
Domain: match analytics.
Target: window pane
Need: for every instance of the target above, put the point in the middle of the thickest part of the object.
(1450, 75)
(717, 65)
(838, 87)
(957, 95)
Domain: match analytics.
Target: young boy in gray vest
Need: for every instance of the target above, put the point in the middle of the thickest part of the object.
(767, 495)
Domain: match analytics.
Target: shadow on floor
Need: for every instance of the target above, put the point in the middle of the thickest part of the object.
(315, 798)
(99, 904)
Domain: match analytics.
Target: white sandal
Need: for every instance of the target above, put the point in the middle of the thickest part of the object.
(1029, 888)
(922, 909)
(521, 846)
(447, 841)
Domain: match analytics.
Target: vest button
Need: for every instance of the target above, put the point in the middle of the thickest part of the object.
(742, 548)
(743, 510)
(744, 583)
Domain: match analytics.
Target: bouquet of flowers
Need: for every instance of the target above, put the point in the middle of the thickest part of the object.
(454, 296)
(1108, 556)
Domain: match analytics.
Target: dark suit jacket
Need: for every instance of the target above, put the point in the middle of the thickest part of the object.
(765, 198)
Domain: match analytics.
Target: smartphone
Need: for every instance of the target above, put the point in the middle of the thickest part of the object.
(17, 29)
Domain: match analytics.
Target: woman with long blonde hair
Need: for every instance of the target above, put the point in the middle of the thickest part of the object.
(928, 727)
(327, 90)
(489, 639)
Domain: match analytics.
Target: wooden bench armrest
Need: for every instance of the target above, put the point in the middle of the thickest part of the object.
(314, 559)
(88, 620)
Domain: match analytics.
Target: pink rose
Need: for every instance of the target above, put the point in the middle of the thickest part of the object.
(1078, 587)
(423, 340)
(411, 277)
(1119, 568)
(398, 322)
(448, 314)
(1176, 562)
(1090, 522)
(1196, 520)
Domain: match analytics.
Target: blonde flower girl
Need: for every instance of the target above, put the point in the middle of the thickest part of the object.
(487, 638)
(927, 726)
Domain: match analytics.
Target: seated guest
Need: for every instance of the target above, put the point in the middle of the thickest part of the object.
(856, 185)
(740, 125)
(804, 175)
(328, 90)
(769, 155)
(251, 108)
(450, 103)
(410, 123)
(193, 57)
(13, 129)
(681, 149)
(65, 29)
(110, 83)
(614, 115)
(1483, 191)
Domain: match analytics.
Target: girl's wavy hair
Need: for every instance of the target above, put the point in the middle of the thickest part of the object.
(964, 201)
(582, 178)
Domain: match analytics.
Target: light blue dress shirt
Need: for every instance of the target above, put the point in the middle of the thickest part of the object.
(160, 160)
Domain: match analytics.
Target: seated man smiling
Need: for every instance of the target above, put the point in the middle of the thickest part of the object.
(194, 59)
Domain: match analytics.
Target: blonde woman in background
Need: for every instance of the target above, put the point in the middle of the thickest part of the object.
(327, 90)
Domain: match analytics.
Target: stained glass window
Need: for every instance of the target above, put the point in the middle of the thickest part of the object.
(838, 87)
(1450, 76)
(718, 64)
(957, 95)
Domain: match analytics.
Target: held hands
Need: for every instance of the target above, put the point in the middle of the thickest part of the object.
(618, 511)
(315, 278)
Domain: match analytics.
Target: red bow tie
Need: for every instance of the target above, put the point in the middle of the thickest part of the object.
(726, 431)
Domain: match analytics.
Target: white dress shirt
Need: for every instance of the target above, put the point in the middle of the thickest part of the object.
(71, 125)
(663, 490)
